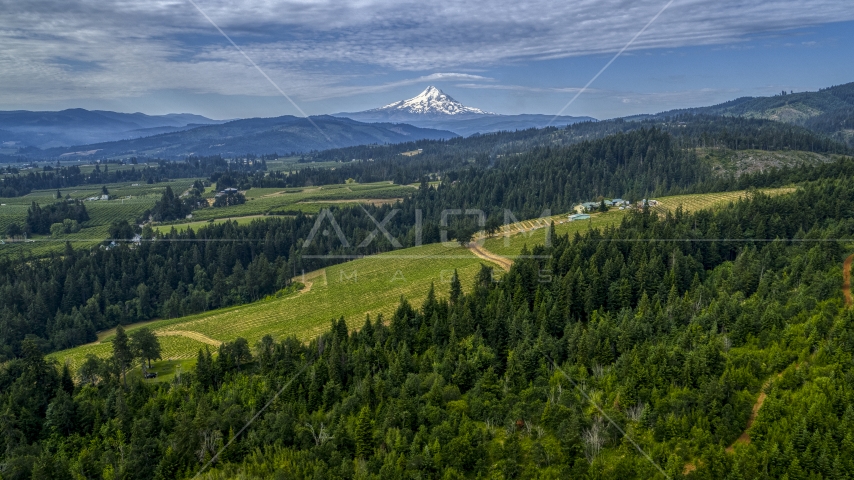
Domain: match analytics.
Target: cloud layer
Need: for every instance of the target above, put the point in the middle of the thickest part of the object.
(66, 49)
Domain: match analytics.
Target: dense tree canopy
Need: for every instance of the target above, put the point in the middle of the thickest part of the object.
(668, 326)
(40, 219)
(671, 325)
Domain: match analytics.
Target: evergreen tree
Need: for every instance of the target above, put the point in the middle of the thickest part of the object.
(145, 345)
(456, 288)
(122, 353)
(364, 434)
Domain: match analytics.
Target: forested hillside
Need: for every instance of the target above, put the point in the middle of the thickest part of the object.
(691, 129)
(426, 288)
(828, 111)
(669, 327)
(634, 159)
(639, 164)
(61, 301)
(64, 300)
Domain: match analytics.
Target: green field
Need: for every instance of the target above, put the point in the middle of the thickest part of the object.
(287, 201)
(130, 202)
(291, 164)
(534, 233)
(180, 227)
(371, 285)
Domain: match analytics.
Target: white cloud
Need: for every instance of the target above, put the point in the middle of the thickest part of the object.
(337, 91)
(683, 97)
(66, 49)
(524, 88)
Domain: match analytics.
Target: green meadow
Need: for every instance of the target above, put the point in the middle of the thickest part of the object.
(368, 286)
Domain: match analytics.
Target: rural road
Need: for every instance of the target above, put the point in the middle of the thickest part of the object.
(188, 334)
(480, 252)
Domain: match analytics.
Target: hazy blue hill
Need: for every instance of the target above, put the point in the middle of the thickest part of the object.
(79, 126)
(258, 135)
(495, 123)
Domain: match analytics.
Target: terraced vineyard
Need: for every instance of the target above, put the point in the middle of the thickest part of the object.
(132, 200)
(285, 201)
(202, 223)
(101, 213)
(532, 232)
(107, 212)
(707, 200)
(11, 213)
(289, 164)
(371, 285)
(173, 347)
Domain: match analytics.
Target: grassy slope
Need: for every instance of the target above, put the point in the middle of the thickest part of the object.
(370, 285)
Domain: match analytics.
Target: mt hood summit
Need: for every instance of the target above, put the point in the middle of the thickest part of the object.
(433, 102)
(433, 108)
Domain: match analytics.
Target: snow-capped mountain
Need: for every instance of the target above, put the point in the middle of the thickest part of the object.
(433, 108)
(431, 101)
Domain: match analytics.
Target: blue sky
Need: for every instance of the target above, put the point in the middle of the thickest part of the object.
(163, 56)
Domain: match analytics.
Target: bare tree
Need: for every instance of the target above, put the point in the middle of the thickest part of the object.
(210, 443)
(594, 439)
(555, 394)
(321, 436)
(635, 413)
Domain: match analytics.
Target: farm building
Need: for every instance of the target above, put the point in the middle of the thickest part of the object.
(227, 191)
(578, 216)
(585, 207)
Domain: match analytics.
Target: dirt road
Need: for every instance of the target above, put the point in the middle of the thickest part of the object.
(504, 263)
(188, 334)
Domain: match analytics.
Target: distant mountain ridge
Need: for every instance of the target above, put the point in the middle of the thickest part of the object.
(432, 114)
(829, 111)
(77, 126)
(433, 108)
(283, 134)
